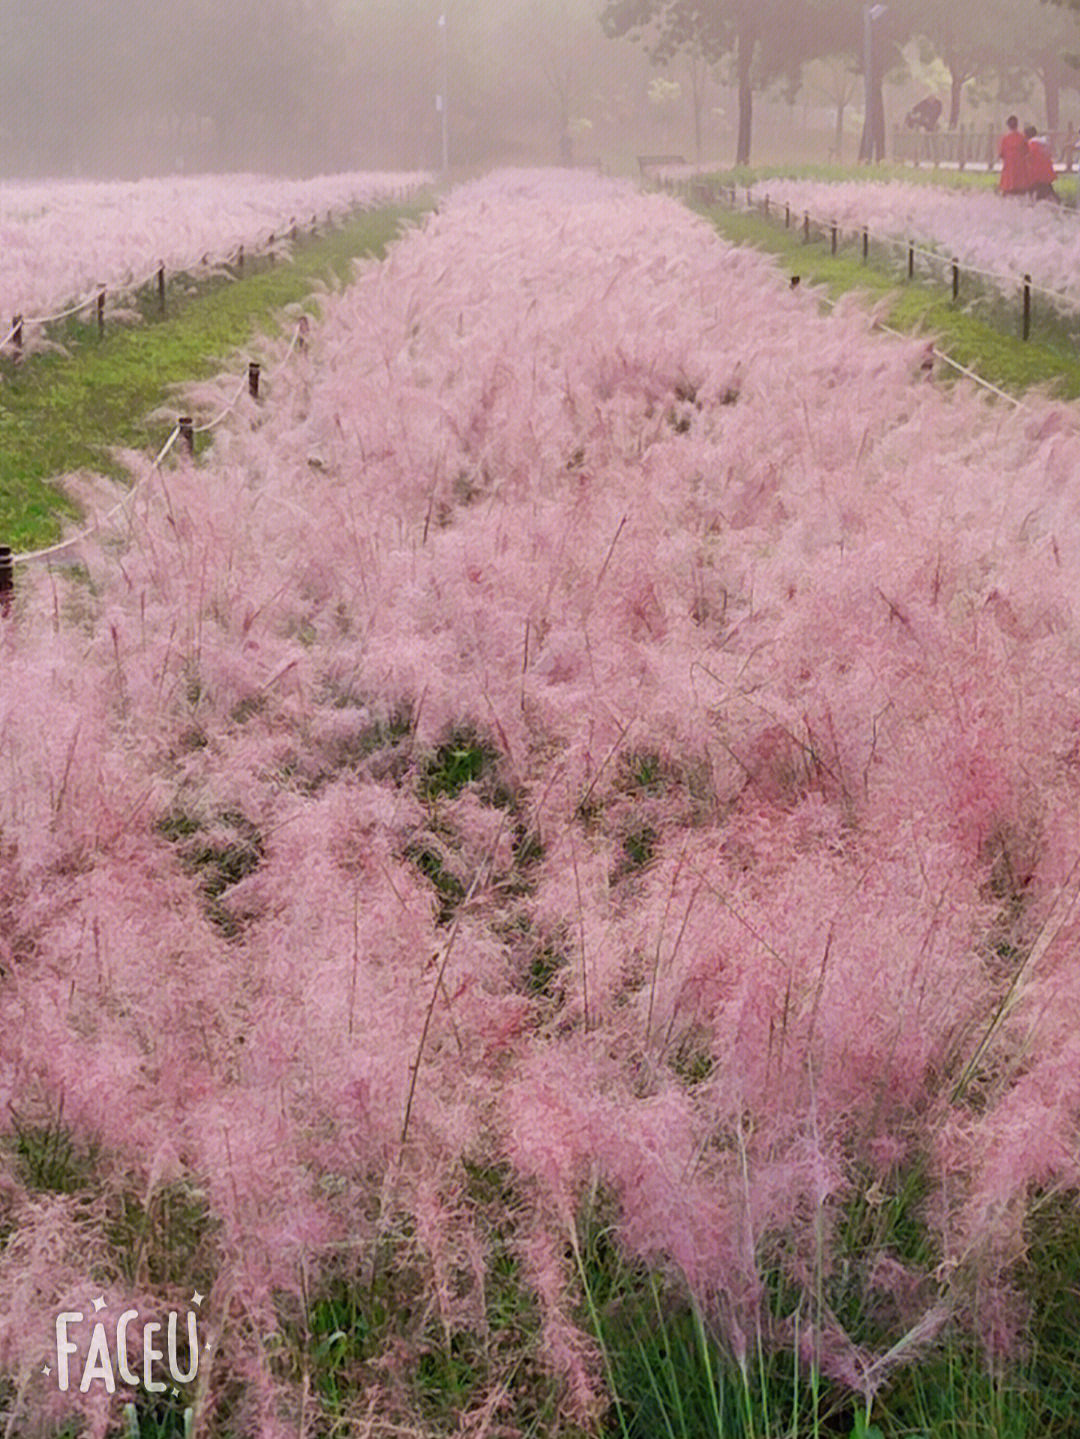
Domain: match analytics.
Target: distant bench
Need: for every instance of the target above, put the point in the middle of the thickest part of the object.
(648, 163)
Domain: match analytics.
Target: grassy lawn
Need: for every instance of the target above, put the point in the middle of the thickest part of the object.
(987, 342)
(64, 411)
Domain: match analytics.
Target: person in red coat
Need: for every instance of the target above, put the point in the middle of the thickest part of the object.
(1040, 166)
(1013, 154)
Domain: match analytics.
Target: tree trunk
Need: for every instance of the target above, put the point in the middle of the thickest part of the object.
(1051, 78)
(747, 43)
(872, 144)
(697, 95)
(956, 85)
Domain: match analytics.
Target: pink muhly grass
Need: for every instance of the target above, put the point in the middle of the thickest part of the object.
(792, 726)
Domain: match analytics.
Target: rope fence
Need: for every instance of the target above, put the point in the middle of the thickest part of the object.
(693, 188)
(160, 275)
(183, 430)
(233, 259)
(998, 287)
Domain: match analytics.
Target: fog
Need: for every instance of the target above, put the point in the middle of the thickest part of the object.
(121, 88)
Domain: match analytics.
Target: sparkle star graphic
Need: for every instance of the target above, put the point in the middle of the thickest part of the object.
(46, 1371)
(196, 1299)
(99, 1304)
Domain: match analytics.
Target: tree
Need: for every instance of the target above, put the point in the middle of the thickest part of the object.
(836, 79)
(968, 43)
(710, 29)
(1048, 45)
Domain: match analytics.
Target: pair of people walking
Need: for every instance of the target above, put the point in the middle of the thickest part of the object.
(1027, 166)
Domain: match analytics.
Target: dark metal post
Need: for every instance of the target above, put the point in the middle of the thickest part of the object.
(865, 244)
(186, 426)
(955, 279)
(787, 217)
(101, 313)
(161, 288)
(832, 238)
(910, 261)
(1026, 326)
(253, 379)
(16, 337)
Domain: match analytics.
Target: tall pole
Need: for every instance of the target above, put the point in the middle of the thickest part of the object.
(866, 144)
(444, 80)
(872, 145)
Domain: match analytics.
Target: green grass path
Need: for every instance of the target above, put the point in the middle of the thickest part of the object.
(62, 412)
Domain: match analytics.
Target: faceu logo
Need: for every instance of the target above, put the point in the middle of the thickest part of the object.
(108, 1354)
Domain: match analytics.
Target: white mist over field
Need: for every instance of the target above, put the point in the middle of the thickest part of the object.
(122, 88)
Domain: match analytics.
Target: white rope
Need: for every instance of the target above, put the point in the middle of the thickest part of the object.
(941, 355)
(64, 314)
(222, 414)
(298, 330)
(963, 369)
(155, 466)
(105, 518)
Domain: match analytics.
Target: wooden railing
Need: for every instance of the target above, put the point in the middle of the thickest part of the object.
(972, 146)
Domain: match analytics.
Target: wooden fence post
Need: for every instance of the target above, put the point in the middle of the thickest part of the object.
(865, 244)
(253, 379)
(16, 335)
(161, 288)
(101, 312)
(832, 238)
(1025, 327)
(955, 279)
(910, 261)
(7, 578)
(186, 426)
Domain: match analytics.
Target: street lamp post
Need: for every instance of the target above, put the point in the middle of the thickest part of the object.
(441, 102)
(873, 137)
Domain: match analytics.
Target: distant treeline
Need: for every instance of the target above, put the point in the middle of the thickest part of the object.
(129, 87)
